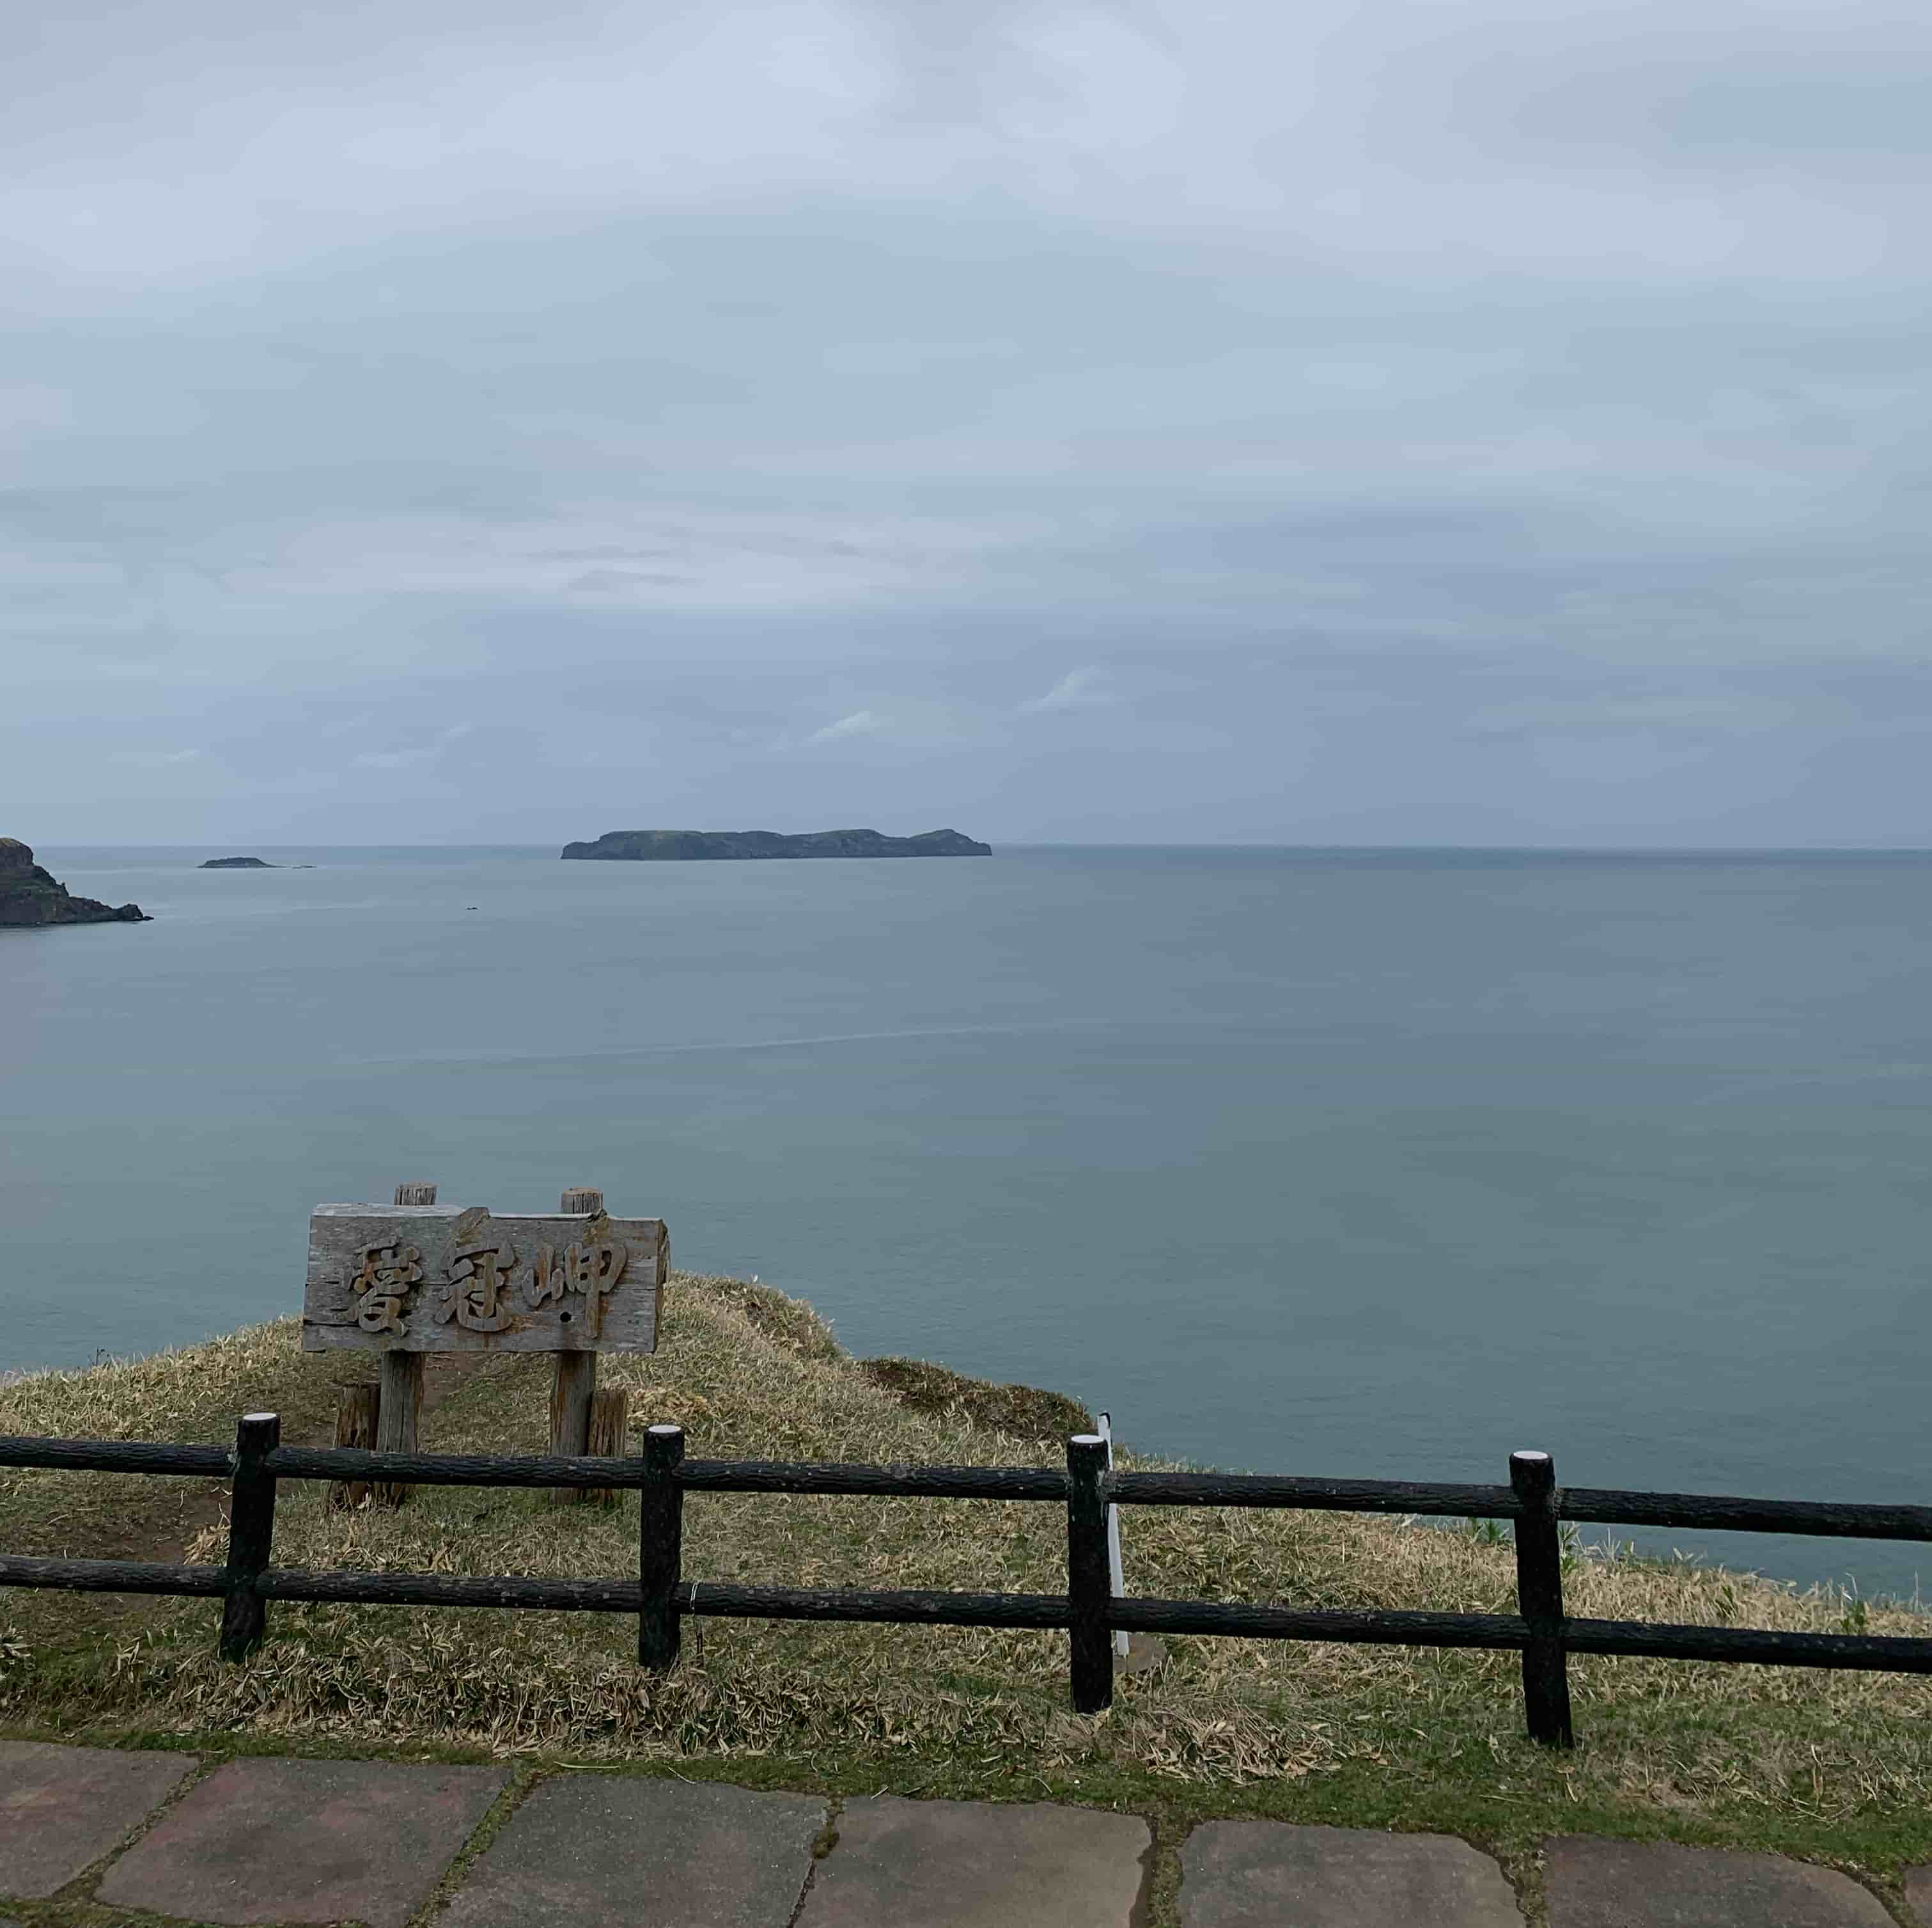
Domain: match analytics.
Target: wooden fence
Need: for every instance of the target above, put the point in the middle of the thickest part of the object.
(1088, 1611)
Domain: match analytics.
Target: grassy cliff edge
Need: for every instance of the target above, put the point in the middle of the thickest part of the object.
(1836, 1766)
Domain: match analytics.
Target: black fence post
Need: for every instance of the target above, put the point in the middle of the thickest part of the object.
(660, 1547)
(251, 1534)
(1539, 1596)
(1089, 1581)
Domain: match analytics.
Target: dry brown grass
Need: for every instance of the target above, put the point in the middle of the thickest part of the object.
(1418, 1738)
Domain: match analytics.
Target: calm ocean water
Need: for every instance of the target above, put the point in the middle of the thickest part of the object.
(1374, 1164)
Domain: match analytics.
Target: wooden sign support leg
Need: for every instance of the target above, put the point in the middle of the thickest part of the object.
(610, 1437)
(574, 1385)
(500, 1281)
(356, 1409)
(400, 1399)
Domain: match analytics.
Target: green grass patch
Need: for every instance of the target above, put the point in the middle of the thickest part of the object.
(1833, 1766)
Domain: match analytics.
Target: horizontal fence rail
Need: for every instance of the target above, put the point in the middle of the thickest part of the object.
(1605, 1506)
(1335, 1496)
(432, 1468)
(1089, 1612)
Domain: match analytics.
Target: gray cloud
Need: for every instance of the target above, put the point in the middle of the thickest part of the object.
(1089, 687)
(860, 723)
(1319, 422)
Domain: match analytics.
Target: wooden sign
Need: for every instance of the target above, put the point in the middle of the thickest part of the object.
(440, 1278)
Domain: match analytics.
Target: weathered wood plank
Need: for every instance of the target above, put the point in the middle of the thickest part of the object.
(573, 1385)
(399, 1382)
(398, 1407)
(570, 1392)
(434, 1278)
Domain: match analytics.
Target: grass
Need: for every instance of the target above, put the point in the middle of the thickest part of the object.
(1833, 1766)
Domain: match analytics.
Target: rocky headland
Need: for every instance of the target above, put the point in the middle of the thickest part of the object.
(1428, 1741)
(689, 846)
(29, 895)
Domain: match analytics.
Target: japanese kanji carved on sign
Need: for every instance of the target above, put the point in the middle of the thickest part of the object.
(432, 1278)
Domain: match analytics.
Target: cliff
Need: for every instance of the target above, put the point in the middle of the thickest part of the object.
(1309, 1731)
(688, 846)
(29, 895)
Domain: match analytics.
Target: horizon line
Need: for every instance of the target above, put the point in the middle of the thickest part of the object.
(1027, 843)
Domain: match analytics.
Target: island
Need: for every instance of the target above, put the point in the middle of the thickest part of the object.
(28, 896)
(698, 846)
(239, 863)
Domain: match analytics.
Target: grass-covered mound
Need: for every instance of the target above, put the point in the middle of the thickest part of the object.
(1839, 1766)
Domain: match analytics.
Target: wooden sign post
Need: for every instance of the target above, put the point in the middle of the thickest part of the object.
(420, 1278)
(574, 1389)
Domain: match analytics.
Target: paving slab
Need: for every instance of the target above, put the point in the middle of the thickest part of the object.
(305, 1841)
(1919, 1894)
(1660, 1884)
(1268, 1874)
(62, 1807)
(977, 1864)
(603, 1850)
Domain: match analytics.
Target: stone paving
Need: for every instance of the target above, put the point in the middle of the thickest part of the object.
(1658, 1884)
(598, 1851)
(1255, 1874)
(978, 1864)
(258, 1841)
(317, 1841)
(64, 1807)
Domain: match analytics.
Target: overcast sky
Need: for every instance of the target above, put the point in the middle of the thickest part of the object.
(1163, 421)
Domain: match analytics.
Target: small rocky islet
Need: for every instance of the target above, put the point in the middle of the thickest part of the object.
(699, 846)
(242, 863)
(29, 895)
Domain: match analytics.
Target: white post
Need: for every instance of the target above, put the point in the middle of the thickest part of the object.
(1116, 1577)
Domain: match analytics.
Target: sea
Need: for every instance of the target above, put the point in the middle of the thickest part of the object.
(1374, 1163)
